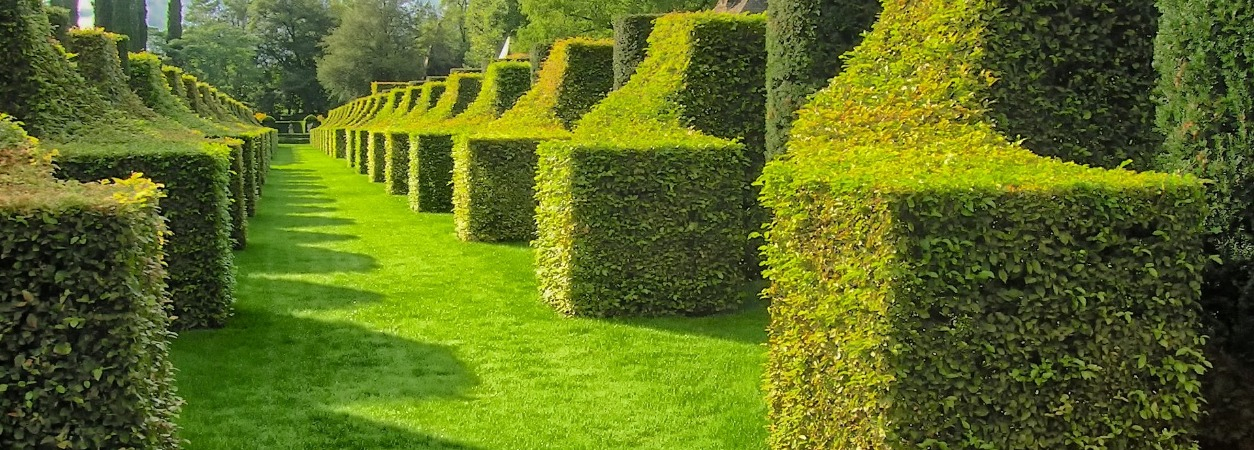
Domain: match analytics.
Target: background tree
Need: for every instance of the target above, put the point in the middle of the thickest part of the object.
(488, 23)
(72, 6)
(174, 20)
(378, 40)
(294, 30)
(445, 38)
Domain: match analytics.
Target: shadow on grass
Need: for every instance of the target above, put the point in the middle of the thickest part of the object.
(747, 324)
(276, 381)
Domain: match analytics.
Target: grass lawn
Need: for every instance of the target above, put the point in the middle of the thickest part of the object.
(362, 325)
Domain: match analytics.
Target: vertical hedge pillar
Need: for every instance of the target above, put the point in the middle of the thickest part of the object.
(804, 41)
(1207, 85)
(631, 43)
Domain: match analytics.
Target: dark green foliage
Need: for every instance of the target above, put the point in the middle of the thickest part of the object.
(82, 309)
(431, 173)
(396, 172)
(936, 284)
(494, 168)
(804, 41)
(1102, 113)
(362, 145)
(642, 232)
(174, 20)
(340, 143)
(252, 147)
(378, 156)
(59, 19)
(98, 60)
(82, 306)
(631, 44)
(587, 80)
(1207, 113)
(41, 88)
(239, 205)
(71, 11)
(634, 214)
(539, 53)
(196, 205)
(495, 181)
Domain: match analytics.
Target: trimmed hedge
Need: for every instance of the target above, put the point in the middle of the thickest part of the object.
(396, 170)
(804, 41)
(430, 155)
(643, 212)
(196, 206)
(494, 167)
(82, 309)
(935, 284)
(362, 144)
(1207, 88)
(631, 44)
(378, 156)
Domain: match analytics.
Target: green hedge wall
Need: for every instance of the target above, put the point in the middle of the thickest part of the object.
(494, 167)
(396, 172)
(430, 173)
(197, 208)
(82, 306)
(362, 143)
(935, 284)
(804, 41)
(634, 215)
(237, 190)
(1207, 85)
(41, 89)
(378, 156)
(631, 43)
(341, 143)
(430, 155)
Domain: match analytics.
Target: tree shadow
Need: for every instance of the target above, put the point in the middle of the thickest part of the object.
(291, 296)
(292, 254)
(747, 324)
(277, 381)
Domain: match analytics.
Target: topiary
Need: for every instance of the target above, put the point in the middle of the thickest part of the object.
(631, 42)
(935, 284)
(804, 41)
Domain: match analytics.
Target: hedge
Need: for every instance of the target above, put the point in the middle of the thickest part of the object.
(362, 144)
(539, 54)
(494, 166)
(503, 83)
(804, 41)
(430, 156)
(378, 156)
(1207, 89)
(643, 211)
(631, 42)
(82, 306)
(396, 178)
(935, 284)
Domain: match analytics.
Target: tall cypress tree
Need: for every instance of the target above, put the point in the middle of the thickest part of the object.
(174, 20)
(104, 13)
(125, 17)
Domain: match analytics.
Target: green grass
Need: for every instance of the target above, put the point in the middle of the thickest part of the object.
(363, 325)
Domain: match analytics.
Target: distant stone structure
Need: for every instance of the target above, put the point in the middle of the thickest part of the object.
(741, 6)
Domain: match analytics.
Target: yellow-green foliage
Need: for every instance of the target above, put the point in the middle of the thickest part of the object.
(935, 284)
(494, 165)
(459, 91)
(84, 308)
(643, 211)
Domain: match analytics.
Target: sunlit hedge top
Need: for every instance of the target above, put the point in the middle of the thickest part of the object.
(573, 78)
(460, 90)
(660, 109)
(148, 82)
(41, 88)
(503, 83)
(935, 109)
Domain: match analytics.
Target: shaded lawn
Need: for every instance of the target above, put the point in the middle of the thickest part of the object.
(362, 325)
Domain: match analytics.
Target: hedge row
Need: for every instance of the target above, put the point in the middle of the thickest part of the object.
(1207, 85)
(935, 284)
(430, 156)
(494, 167)
(804, 41)
(643, 211)
(82, 305)
(631, 43)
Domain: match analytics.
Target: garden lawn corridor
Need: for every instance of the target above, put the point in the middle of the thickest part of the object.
(362, 325)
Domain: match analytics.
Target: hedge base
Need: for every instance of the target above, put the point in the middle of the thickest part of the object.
(641, 231)
(494, 189)
(431, 172)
